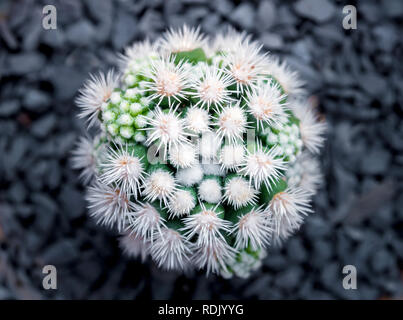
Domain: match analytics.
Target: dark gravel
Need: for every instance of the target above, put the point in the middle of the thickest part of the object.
(354, 76)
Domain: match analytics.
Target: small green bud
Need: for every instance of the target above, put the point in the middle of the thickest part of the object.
(126, 132)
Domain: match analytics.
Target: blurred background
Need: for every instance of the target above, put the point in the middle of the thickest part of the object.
(355, 78)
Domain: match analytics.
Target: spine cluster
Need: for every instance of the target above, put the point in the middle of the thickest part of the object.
(205, 152)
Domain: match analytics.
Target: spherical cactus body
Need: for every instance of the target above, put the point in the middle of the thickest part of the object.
(205, 152)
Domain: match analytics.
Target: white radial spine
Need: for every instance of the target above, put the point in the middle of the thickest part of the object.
(305, 173)
(229, 41)
(83, 158)
(134, 246)
(170, 250)
(214, 256)
(210, 190)
(287, 210)
(159, 185)
(206, 225)
(167, 80)
(145, 221)
(238, 192)
(263, 166)
(212, 87)
(189, 176)
(232, 156)
(109, 206)
(231, 124)
(197, 120)
(182, 39)
(211, 251)
(122, 168)
(165, 129)
(209, 145)
(266, 104)
(253, 228)
(94, 94)
(213, 169)
(288, 79)
(130, 60)
(182, 156)
(311, 129)
(246, 65)
(182, 202)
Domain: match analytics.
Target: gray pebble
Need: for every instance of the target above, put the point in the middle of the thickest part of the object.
(316, 10)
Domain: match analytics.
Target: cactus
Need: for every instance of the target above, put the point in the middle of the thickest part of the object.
(205, 151)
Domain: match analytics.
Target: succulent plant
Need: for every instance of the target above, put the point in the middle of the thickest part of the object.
(205, 151)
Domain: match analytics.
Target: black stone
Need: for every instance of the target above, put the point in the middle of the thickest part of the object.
(224, 7)
(289, 279)
(9, 107)
(316, 10)
(99, 10)
(382, 261)
(72, 201)
(211, 22)
(81, 33)
(376, 161)
(124, 30)
(296, 251)
(17, 192)
(42, 127)
(393, 8)
(67, 81)
(54, 38)
(373, 84)
(272, 41)
(275, 262)
(44, 203)
(266, 15)
(24, 63)
(36, 100)
(60, 253)
(244, 16)
(151, 22)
